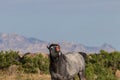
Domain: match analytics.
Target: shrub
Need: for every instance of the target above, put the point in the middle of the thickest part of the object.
(8, 58)
(31, 64)
(102, 66)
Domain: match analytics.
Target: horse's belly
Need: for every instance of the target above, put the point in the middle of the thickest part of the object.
(71, 71)
(72, 68)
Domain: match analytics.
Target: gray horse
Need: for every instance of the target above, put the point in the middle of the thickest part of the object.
(66, 66)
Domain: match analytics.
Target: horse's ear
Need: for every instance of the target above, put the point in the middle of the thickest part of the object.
(48, 47)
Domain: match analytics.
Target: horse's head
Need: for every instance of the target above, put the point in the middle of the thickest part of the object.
(54, 50)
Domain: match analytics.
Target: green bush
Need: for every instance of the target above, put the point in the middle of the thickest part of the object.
(28, 63)
(8, 58)
(102, 66)
(31, 64)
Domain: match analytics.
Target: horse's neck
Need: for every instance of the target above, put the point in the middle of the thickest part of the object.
(59, 65)
(58, 60)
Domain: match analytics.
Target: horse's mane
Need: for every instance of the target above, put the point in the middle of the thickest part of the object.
(53, 45)
(83, 54)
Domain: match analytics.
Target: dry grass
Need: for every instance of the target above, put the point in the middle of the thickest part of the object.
(22, 76)
(6, 75)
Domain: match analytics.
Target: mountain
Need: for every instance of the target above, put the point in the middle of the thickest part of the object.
(80, 47)
(21, 43)
(24, 44)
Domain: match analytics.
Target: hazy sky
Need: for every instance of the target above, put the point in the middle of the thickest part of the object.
(89, 22)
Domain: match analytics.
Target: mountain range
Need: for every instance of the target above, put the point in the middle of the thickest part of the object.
(23, 44)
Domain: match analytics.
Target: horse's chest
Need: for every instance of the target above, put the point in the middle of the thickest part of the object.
(61, 68)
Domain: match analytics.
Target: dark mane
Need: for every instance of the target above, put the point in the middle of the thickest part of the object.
(53, 45)
(83, 54)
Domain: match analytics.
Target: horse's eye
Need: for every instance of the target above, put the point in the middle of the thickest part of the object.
(52, 48)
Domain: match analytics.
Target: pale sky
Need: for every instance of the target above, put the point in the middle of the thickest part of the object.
(89, 22)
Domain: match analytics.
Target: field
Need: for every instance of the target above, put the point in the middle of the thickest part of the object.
(5, 75)
(22, 76)
(102, 66)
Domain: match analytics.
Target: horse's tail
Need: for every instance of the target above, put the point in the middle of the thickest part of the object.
(83, 54)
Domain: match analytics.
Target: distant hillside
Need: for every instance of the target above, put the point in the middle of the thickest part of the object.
(24, 44)
(21, 43)
(80, 47)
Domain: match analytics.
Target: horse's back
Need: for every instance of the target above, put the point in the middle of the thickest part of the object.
(74, 56)
(75, 62)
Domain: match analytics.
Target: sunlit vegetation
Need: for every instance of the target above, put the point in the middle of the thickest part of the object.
(102, 66)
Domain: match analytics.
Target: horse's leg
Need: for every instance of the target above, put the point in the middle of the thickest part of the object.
(81, 75)
(72, 79)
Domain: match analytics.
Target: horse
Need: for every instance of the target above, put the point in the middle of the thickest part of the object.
(66, 66)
